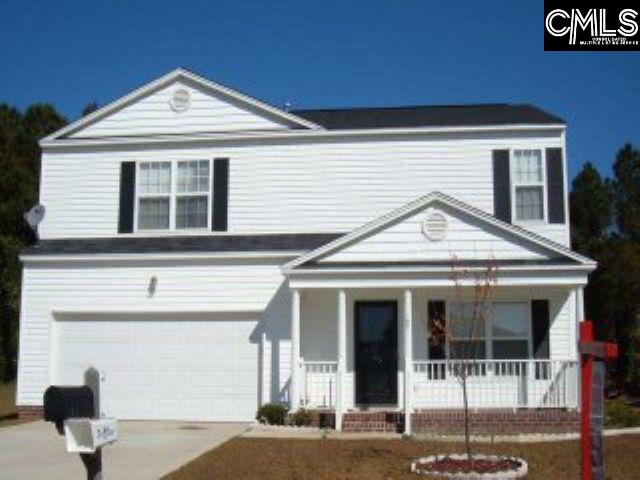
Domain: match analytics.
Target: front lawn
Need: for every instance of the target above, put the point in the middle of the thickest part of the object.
(271, 459)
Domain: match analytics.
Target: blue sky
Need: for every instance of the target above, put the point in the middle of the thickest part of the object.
(323, 54)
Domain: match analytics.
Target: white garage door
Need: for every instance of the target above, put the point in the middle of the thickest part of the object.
(188, 369)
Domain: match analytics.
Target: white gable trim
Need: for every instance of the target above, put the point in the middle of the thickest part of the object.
(420, 204)
(172, 76)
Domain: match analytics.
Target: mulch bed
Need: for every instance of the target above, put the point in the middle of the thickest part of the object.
(289, 459)
(453, 465)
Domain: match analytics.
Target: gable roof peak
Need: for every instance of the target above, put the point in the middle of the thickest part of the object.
(166, 79)
(420, 204)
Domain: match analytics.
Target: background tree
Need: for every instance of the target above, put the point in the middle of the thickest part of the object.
(90, 108)
(591, 201)
(19, 177)
(627, 192)
(605, 225)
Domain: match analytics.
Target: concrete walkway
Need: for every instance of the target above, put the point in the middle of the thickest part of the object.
(145, 450)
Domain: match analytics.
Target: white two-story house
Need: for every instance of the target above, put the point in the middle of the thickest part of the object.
(208, 253)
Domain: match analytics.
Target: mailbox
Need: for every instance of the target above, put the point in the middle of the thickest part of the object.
(61, 403)
(74, 409)
(86, 435)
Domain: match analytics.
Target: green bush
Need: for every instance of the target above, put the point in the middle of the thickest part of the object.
(302, 418)
(272, 414)
(620, 414)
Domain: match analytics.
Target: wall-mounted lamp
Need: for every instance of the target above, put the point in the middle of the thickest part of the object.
(153, 283)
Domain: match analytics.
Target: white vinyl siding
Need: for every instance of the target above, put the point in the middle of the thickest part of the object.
(295, 186)
(153, 115)
(465, 236)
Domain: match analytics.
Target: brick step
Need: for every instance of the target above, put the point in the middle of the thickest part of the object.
(373, 422)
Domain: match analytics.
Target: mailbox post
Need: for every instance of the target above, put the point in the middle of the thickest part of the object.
(76, 413)
(593, 358)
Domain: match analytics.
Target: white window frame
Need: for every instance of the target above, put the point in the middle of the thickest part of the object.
(173, 194)
(488, 330)
(514, 185)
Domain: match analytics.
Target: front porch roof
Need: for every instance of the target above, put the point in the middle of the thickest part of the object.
(539, 250)
(393, 251)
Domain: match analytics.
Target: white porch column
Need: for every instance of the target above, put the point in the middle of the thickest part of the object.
(342, 357)
(408, 359)
(580, 304)
(294, 384)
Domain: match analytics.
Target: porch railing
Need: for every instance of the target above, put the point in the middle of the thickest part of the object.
(318, 386)
(491, 384)
(496, 384)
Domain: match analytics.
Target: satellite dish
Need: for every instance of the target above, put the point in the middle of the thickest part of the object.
(35, 215)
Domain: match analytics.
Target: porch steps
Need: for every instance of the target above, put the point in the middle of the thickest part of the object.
(392, 422)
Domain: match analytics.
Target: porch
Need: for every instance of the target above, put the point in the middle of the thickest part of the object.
(424, 385)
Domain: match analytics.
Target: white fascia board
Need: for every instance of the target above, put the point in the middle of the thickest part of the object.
(353, 283)
(421, 203)
(399, 269)
(164, 80)
(157, 256)
(532, 279)
(51, 142)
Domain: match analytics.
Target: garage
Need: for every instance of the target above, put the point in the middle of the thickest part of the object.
(163, 366)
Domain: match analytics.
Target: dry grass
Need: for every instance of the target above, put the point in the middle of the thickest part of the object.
(8, 412)
(270, 459)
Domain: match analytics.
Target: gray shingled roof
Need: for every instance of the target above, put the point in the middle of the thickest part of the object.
(179, 244)
(429, 116)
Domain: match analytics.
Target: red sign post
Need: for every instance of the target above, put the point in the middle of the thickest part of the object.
(593, 357)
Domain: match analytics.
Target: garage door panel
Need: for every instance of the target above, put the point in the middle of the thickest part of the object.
(167, 369)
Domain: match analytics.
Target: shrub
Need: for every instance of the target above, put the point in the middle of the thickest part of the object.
(302, 418)
(272, 414)
(620, 414)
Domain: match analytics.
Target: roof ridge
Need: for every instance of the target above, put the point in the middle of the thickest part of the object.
(407, 107)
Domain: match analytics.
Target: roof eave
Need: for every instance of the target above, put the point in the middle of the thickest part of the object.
(292, 134)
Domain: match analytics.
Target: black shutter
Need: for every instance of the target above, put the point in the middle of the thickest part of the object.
(437, 311)
(220, 194)
(501, 186)
(127, 196)
(555, 185)
(540, 328)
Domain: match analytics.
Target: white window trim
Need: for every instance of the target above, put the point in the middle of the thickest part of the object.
(173, 194)
(488, 332)
(513, 186)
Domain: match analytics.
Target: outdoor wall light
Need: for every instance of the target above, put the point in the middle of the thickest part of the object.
(153, 283)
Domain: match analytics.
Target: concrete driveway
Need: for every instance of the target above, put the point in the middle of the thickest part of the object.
(145, 450)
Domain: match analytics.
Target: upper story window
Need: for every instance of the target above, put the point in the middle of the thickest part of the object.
(173, 195)
(527, 174)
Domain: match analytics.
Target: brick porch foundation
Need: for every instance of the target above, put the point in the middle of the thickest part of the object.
(497, 422)
(451, 422)
(30, 412)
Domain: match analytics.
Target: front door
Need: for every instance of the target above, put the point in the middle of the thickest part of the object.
(376, 353)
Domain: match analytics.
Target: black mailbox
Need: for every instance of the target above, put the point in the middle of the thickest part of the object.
(61, 403)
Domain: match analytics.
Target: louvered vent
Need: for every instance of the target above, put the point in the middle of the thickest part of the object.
(180, 100)
(435, 226)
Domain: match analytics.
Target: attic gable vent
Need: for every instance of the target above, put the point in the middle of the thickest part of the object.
(180, 100)
(435, 226)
